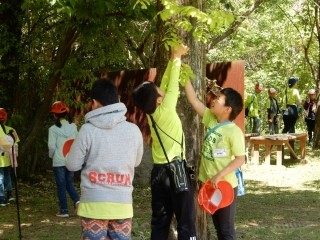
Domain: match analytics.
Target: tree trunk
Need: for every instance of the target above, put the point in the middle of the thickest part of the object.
(10, 19)
(161, 55)
(54, 79)
(316, 137)
(192, 123)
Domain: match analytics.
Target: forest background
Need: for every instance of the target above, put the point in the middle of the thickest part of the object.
(53, 50)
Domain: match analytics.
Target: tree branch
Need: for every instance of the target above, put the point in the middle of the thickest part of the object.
(236, 24)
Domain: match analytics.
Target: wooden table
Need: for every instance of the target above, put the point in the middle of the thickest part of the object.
(279, 140)
(247, 137)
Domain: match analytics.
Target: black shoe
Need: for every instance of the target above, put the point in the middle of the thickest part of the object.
(3, 202)
(10, 198)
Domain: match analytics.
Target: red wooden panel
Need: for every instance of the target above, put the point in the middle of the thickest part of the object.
(229, 74)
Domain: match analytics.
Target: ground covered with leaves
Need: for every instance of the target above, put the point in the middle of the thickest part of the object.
(280, 203)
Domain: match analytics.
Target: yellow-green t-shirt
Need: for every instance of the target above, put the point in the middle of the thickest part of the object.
(4, 157)
(166, 117)
(252, 102)
(220, 148)
(105, 210)
(293, 96)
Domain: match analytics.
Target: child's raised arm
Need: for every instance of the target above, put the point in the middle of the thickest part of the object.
(179, 51)
(197, 105)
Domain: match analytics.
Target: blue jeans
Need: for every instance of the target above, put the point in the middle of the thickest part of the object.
(5, 181)
(64, 184)
(2, 197)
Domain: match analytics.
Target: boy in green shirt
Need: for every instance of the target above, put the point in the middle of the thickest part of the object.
(223, 149)
(160, 103)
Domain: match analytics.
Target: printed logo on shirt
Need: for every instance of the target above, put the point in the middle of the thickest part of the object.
(109, 178)
(209, 144)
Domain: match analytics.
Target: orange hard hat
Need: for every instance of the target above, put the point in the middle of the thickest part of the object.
(211, 199)
(259, 86)
(59, 107)
(3, 114)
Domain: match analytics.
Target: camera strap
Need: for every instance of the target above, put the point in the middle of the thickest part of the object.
(154, 125)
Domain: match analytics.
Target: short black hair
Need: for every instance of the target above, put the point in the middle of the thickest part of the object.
(234, 100)
(145, 97)
(105, 92)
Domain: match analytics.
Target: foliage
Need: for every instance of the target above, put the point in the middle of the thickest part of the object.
(273, 43)
(190, 19)
(116, 35)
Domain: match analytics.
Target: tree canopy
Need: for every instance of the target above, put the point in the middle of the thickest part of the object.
(54, 49)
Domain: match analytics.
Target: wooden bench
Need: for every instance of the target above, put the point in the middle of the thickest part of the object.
(279, 140)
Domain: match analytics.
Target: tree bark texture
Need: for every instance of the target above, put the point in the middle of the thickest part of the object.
(316, 137)
(193, 128)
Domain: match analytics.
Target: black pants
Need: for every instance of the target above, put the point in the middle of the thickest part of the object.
(223, 220)
(310, 126)
(274, 126)
(165, 202)
(255, 124)
(290, 120)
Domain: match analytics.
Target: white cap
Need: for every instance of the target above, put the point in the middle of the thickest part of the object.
(272, 90)
(312, 91)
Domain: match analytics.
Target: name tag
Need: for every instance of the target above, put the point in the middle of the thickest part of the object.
(220, 153)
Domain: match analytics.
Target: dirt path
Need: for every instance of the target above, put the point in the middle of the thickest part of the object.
(296, 176)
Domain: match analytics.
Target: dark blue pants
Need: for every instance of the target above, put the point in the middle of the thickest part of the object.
(310, 126)
(165, 202)
(223, 220)
(64, 184)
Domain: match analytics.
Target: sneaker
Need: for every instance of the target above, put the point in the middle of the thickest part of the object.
(11, 199)
(62, 215)
(3, 202)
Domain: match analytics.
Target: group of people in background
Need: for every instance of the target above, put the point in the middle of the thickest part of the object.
(107, 148)
(289, 107)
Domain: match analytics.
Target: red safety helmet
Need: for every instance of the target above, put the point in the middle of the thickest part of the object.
(59, 107)
(211, 199)
(3, 115)
(259, 86)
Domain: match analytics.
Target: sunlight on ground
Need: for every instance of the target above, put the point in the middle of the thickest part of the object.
(7, 225)
(46, 221)
(298, 177)
(26, 224)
